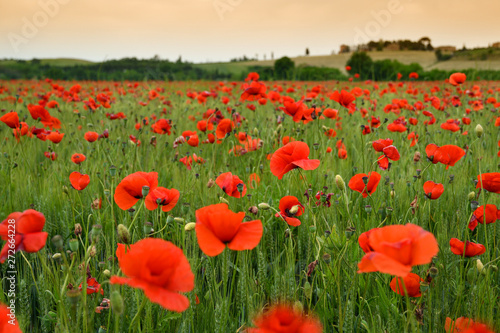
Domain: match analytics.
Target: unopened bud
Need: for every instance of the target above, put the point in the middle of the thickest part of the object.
(116, 302)
(57, 241)
(170, 219)
(210, 183)
(368, 209)
(393, 194)
(327, 258)
(222, 200)
(92, 251)
(190, 226)
(349, 232)
(263, 206)
(255, 131)
(148, 228)
(178, 219)
(56, 256)
(298, 306)
(424, 286)
(294, 210)
(65, 190)
(471, 196)
(123, 234)
(106, 273)
(73, 245)
(73, 296)
(112, 170)
(78, 229)
(340, 182)
(479, 130)
(480, 267)
(254, 210)
(416, 157)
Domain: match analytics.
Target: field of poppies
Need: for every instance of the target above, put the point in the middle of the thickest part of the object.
(250, 206)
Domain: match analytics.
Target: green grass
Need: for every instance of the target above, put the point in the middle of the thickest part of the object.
(58, 62)
(275, 270)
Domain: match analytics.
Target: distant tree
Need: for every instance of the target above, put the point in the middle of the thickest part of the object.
(283, 68)
(361, 64)
(307, 51)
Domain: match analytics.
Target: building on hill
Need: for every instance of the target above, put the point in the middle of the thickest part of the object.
(344, 49)
(392, 47)
(496, 45)
(446, 49)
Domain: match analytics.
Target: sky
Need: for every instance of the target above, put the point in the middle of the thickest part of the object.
(219, 30)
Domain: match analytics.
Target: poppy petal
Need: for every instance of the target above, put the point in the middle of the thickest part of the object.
(208, 242)
(247, 237)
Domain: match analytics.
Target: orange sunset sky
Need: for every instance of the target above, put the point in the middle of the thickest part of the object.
(218, 30)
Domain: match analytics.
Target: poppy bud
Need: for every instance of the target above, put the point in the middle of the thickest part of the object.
(131, 211)
(222, 200)
(494, 268)
(368, 209)
(471, 196)
(78, 229)
(480, 267)
(73, 296)
(424, 286)
(479, 130)
(210, 183)
(56, 256)
(327, 258)
(102, 329)
(73, 245)
(240, 187)
(106, 273)
(178, 219)
(393, 194)
(190, 226)
(298, 306)
(254, 210)
(106, 192)
(294, 210)
(474, 205)
(123, 234)
(65, 190)
(416, 157)
(57, 241)
(433, 272)
(148, 228)
(279, 128)
(170, 219)
(92, 250)
(145, 190)
(263, 206)
(112, 170)
(116, 302)
(365, 180)
(340, 182)
(307, 290)
(349, 232)
(255, 131)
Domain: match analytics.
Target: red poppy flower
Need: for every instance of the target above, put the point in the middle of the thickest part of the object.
(293, 155)
(91, 136)
(414, 138)
(55, 137)
(447, 154)
(489, 181)
(433, 190)
(284, 318)
(7, 323)
(492, 214)
(254, 91)
(11, 119)
(344, 98)
(398, 125)
(50, 155)
(225, 126)
(164, 197)
(253, 178)
(396, 248)
(78, 158)
(79, 181)
(457, 326)
(217, 226)
(380, 144)
(451, 125)
(290, 207)
(357, 183)
(466, 249)
(28, 237)
(39, 112)
(363, 241)
(161, 126)
(390, 153)
(129, 191)
(159, 268)
(92, 286)
(465, 325)
(342, 154)
(413, 75)
(229, 184)
(411, 285)
(457, 79)
(188, 161)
